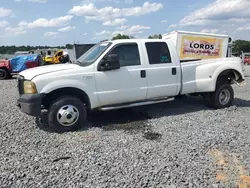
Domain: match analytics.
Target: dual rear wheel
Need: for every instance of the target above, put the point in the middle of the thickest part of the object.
(221, 98)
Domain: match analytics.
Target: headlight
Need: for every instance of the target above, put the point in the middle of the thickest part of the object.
(29, 87)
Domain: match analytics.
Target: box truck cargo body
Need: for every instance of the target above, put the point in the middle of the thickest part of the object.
(196, 45)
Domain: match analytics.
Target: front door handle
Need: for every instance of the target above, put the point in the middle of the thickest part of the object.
(173, 71)
(143, 74)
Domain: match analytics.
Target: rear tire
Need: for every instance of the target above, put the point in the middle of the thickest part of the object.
(3, 74)
(67, 114)
(221, 98)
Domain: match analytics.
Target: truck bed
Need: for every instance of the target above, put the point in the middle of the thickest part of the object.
(200, 76)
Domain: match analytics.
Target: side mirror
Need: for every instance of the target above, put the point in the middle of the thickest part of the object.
(111, 62)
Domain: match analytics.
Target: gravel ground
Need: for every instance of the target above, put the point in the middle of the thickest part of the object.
(174, 144)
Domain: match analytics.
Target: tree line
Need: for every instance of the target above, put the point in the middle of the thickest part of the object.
(238, 45)
(119, 36)
(12, 49)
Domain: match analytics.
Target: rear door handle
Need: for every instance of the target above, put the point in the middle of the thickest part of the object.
(173, 71)
(143, 74)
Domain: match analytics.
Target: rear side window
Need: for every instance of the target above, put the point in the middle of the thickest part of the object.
(158, 53)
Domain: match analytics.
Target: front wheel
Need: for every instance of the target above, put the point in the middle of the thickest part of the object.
(67, 114)
(221, 98)
(3, 74)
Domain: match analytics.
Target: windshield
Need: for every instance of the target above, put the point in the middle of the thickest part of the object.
(93, 53)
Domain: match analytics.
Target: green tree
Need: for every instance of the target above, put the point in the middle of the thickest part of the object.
(119, 36)
(155, 36)
(69, 46)
(241, 45)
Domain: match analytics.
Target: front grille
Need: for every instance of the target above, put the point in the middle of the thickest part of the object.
(20, 82)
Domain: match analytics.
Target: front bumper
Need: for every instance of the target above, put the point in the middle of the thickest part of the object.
(30, 104)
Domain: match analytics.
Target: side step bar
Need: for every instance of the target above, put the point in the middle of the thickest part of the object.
(143, 103)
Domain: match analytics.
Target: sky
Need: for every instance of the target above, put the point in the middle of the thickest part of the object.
(58, 22)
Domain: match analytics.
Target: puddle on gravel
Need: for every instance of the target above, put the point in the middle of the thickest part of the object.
(232, 172)
(127, 127)
(152, 136)
(127, 120)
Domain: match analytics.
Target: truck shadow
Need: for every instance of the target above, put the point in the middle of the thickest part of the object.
(135, 120)
(241, 103)
(126, 120)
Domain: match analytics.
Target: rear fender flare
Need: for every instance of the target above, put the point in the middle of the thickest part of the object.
(217, 73)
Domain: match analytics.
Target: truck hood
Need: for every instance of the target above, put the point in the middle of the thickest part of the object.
(29, 74)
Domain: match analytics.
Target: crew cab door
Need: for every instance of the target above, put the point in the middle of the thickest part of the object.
(163, 72)
(126, 84)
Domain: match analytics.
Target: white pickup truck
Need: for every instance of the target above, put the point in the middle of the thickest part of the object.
(124, 73)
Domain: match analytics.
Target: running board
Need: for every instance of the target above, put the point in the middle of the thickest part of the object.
(136, 104)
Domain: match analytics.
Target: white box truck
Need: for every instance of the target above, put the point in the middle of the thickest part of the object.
(197, 45)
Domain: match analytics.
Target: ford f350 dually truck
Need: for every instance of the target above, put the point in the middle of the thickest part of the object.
(120, 74)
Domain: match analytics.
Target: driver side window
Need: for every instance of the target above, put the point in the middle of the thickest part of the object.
(128, 54)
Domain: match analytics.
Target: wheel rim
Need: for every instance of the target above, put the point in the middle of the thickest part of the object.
(224, 97)
(67, 115)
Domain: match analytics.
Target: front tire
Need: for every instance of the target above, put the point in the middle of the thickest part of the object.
(221, 98)
(3, 74)
(67, 114)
